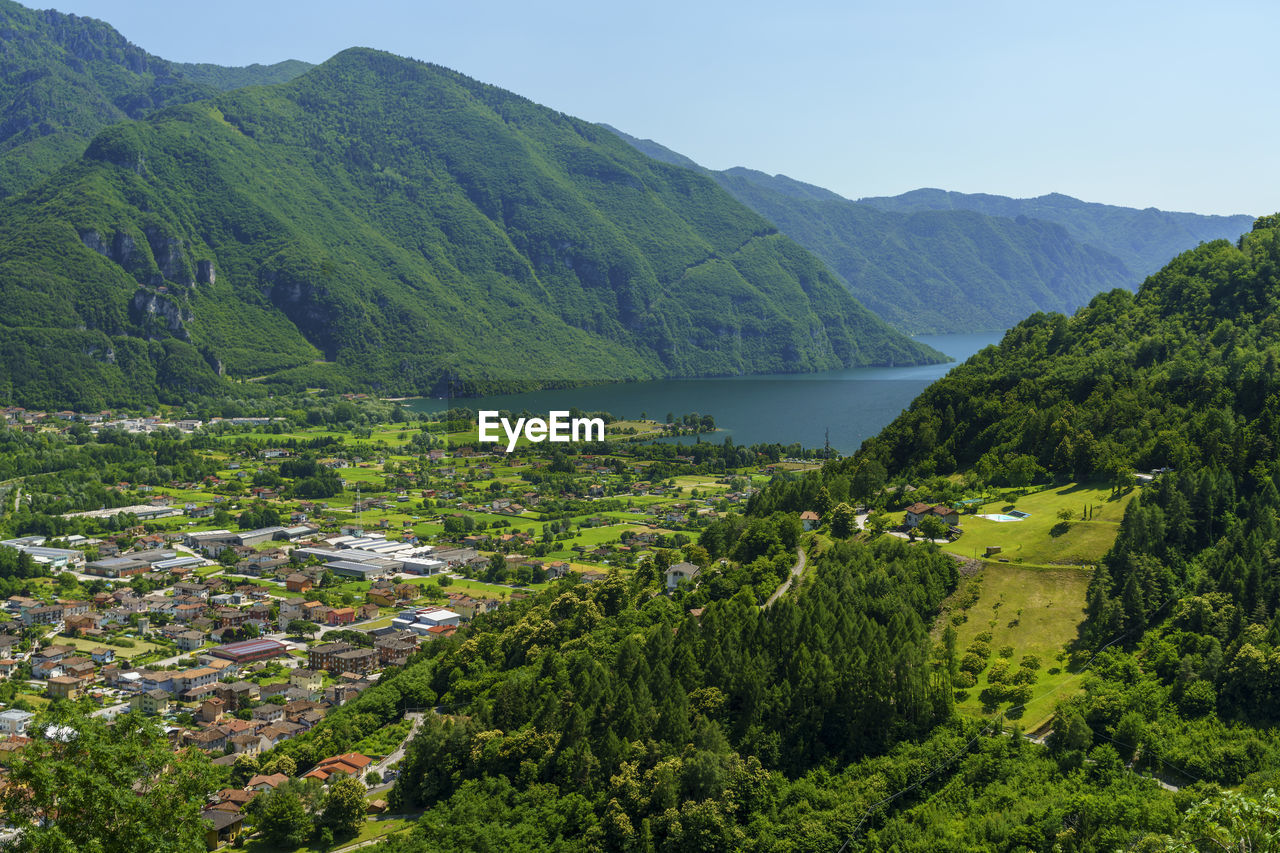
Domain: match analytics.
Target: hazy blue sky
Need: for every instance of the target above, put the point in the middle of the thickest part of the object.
(1167, 104)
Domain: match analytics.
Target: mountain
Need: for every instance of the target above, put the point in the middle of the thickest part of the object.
(224, 77)
(380, 223)
(952, 271)
(941, 262)
(1144, 239)
(63, 78)
(1182, 375)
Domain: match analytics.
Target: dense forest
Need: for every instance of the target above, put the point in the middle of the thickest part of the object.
(1182, 630)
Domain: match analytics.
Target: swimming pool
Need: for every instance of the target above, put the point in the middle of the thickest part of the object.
(1000, 516)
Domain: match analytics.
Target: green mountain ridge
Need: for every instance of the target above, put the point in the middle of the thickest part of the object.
(1145, 239)
(63, 78)
(946, 271)
(1180, 374)
(225, 78)
(943, 262)
(380, 223)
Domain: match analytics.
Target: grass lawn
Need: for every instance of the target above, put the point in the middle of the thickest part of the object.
(1039, 539)
(374, 827)
(1036, 611)
(141, 647)
(701, 482)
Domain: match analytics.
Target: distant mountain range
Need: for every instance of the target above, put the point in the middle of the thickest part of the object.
(1144, 239)
(933, 261)
(376, 223)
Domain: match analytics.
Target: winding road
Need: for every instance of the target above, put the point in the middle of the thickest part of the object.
(796, 571)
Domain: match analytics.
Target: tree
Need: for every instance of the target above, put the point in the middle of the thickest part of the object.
(281, 764)
(878, 522)
(843, 521)
(933, 527)
(281, 815)
(344, 807)
(245, 768)
(822, 503)
(301, 627)
(1230, 821)
(114, 789)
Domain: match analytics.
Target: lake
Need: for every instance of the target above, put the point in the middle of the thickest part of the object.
(853, 404)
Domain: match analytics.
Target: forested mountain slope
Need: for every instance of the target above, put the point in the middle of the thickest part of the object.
(383, 223)
(224, 77)
(62, 79)
(1178, 657)
(65, 77)
(930, 261)
(1144, 239)
(1180, 375)
(951, 271)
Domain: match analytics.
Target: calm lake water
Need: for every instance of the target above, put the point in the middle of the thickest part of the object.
(853, 404)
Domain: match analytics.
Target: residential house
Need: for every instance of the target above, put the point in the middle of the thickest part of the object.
(268, 713)
(238, 694)
(358, 661)
(81, 623)
(342, 616)
(248, 743)
(395, 651)
(262, 783)
(918, 511)
(350, 764)
(43, 615)
(681, 573)
(64, 687)
(150, 702)
(190, 641)
(222, 827)
(298, 583)
(211, 710)
(307, 679)
(14, 721)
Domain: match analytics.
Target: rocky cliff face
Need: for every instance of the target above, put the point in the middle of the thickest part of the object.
(154, 312)
(170, 256)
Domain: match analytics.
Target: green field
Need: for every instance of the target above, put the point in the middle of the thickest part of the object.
(1041, 539)
(1034, 611)
(141, 647)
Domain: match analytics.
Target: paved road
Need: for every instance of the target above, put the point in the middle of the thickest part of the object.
(398, 754)
(796, 571)
(111, 711)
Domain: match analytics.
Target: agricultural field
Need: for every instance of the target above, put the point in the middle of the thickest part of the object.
(1027, 611)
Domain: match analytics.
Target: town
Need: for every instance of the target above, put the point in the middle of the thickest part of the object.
(241, 607)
